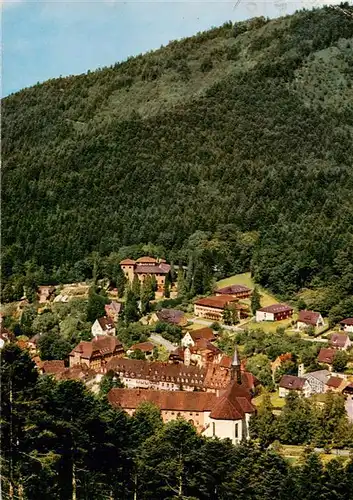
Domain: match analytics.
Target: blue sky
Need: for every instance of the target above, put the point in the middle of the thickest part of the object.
(46, 39)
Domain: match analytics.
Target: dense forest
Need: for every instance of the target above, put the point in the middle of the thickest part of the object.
(241, 135)
(61, 442)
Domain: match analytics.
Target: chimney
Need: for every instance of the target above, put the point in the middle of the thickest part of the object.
(235, 372)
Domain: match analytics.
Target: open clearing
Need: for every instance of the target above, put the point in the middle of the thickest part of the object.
(245, 279)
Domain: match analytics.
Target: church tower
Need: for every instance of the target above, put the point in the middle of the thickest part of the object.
(235, 370)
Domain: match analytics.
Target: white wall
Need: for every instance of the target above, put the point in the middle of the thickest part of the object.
(348, 328)
(187, 340)
(264, 316)
(224, 428)
(96, 329)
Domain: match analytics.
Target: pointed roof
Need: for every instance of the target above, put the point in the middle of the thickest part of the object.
(233, 404)
(235, 360)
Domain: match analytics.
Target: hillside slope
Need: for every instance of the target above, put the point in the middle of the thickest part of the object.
(244, 128)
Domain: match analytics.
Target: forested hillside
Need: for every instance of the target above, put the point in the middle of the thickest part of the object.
(243, 132)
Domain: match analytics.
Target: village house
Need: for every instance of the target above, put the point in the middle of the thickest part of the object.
(317, 381)
(326, 356)
(171, 316)
(236, 291)
(96, 353)
(289, 383)
(202, 353)
(146, 266)
(191, 337)
(275, 312)
(45, 293)
(5, 336)
(223, 415)
(145, 347)
(335, 384)
(52, 367)
(113, 310)
(213, 307)
(103, 326)
(340, 341)
(32, 344)
(309, 318)
(347, 325)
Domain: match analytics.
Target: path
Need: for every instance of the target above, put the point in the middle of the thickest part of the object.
(349, 408)
(199, 321)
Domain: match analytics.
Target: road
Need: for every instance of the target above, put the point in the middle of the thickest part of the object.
(159, 340)
(349, 408)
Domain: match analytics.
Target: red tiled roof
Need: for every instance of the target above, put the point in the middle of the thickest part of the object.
(106, 323)
(276, 308)
(165, 400)
(326, 356)
(77, 372)
(202, 333)
(233, 289)
(339, 339)
(158, 371)
(233, 404)
(53, 366)
(204, 345)
(308, 317)
(152, 269)
(149, 260)
(334, 382)
(226, 362)
(143, 346)
(114, 306)
(127, 262)
(218, 302)
(102, 345)
(347, 321)
(291, 382)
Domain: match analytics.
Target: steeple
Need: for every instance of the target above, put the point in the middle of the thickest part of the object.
(235, 373)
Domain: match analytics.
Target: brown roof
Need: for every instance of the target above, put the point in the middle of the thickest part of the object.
(218, 302)
(143, 346)
(204, 345)
(127, 262)
(158, 371)
(173, 316)
(233, 404)
(202, 333)
(276, 308)
(347, 321)
(339, 339)
(99, 345)
(106, 323)
(233, 289)
(334, 382)
(291, 382)
(77, 372)
(114, 306)
(53, 366)
(148, 260)
(226, 361)
(308, 317)
(152, 269)
(326, 355)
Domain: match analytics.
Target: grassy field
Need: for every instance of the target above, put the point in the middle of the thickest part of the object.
(276, 401)
(245, 279)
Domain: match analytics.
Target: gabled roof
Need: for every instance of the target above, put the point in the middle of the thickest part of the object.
(347, 321)
(114, 306)
(326, 355)
(338, 340)
(99, 345)
(308, 317)
(334, 382)
(218, 302)
(226, 361)
(202, 333)
(143, 346)
(152, 269)
(53, 366)
(106, 323)
(321, 375)
(204, 345)
(233, 289)
(233, 404)
(276, 308)
(292, 382)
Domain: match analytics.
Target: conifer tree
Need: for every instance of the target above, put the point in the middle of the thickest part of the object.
(255, 300)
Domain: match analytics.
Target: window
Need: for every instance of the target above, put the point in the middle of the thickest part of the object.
(236, 430)
(213, 428)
